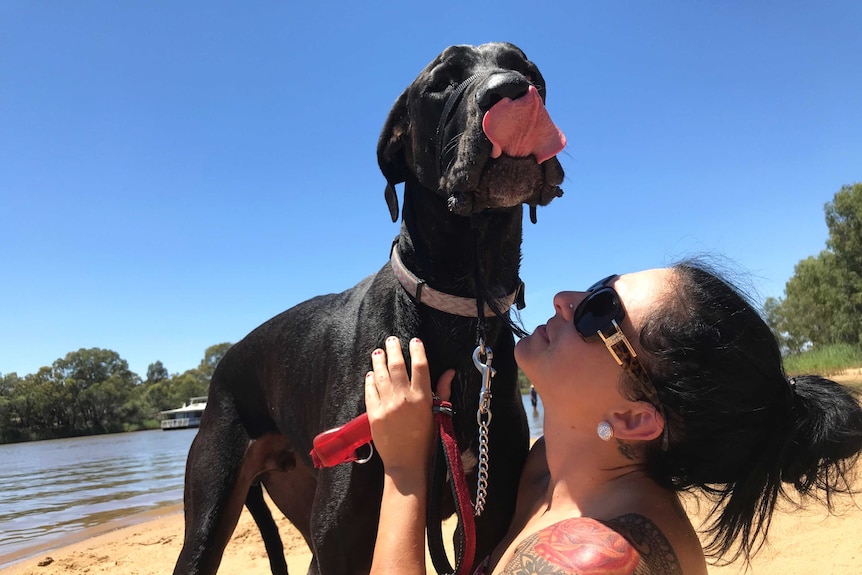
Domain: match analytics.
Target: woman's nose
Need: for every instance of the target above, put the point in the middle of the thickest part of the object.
(566, 302)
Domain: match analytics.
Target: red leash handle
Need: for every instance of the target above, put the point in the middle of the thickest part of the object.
(339, 445)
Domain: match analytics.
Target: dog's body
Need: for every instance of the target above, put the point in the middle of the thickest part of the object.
(302, 372)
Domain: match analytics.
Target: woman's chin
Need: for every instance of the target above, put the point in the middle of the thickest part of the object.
(523, 354)
(520, 349)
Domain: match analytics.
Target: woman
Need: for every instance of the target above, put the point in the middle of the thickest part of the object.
(653, 383)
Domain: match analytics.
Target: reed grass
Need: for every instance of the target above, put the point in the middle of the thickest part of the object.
(824, 360)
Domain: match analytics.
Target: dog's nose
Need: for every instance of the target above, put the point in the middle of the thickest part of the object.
(498, 86)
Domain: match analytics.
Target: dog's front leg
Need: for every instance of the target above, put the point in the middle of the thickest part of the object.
(345, 517)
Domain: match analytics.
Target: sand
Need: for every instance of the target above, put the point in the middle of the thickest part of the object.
(800, 542)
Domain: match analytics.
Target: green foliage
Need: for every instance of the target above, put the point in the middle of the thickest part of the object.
(814, 308)
(93, 391)
(523, 382)
(844, 219)
(824, 360)
(95, 384)
(156, 372)
(212, 356)
(823, 300)
(774, 316)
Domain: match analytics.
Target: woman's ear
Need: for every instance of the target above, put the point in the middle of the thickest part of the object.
(642, 422)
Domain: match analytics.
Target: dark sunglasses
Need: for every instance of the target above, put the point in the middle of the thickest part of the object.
(598, 317)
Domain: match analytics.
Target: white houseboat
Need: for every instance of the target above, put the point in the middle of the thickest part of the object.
(189, 415)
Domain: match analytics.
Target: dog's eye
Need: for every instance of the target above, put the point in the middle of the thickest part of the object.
(440, 85)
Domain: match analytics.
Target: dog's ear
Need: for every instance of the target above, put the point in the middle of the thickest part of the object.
(391, 201)
(391, 149)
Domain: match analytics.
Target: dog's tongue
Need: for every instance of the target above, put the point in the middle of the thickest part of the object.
(522, 127)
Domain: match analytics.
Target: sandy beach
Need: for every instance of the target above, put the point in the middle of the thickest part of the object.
(801, 541)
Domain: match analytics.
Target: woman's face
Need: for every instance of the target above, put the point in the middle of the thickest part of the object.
(563, 366)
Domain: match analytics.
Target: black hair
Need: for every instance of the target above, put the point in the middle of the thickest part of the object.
(740, 431)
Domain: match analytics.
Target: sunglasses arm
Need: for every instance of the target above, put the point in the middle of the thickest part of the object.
(612, 340)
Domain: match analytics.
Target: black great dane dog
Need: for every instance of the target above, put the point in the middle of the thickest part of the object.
(472, 142)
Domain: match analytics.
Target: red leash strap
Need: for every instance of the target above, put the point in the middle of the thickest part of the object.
(465, 550)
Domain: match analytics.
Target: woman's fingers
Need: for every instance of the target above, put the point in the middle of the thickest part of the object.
(399, 409)
(390, 369)
(380, 368)
(421, 379)
(395, 363)
(372, 396)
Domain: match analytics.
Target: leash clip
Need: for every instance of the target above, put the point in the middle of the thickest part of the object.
(487, 373)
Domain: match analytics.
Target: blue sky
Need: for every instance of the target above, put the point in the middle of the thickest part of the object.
(172, 174)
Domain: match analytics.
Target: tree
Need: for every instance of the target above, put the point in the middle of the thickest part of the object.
(812, 308)
(774, 317)
(158, 396)
(188, 385)
(156, 372)
(844, 219)
(97, 383)
(823, 298)
(212, 356)
(93, 391)
(8, 415)
(40, 405)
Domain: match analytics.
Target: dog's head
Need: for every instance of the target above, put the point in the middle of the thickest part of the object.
(473, 127)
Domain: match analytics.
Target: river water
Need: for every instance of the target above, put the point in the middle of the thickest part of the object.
(50, 490)
(535, 417)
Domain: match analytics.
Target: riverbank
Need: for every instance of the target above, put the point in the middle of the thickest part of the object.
(151, 548)
(801, 541)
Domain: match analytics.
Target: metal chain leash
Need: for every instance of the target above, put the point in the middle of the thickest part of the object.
(483, 418)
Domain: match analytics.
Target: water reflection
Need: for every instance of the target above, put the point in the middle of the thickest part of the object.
(52, 488)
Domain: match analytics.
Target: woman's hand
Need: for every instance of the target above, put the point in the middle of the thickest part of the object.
(399, 407)
(402, 426)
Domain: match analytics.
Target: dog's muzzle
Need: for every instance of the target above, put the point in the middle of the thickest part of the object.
(449, 107)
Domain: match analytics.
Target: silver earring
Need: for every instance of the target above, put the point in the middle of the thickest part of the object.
(605, 431)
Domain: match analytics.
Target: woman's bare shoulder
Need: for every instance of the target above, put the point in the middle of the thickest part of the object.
(627, 545)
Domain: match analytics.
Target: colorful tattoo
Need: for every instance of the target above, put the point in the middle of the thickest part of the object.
(628, 545)
(574, 546)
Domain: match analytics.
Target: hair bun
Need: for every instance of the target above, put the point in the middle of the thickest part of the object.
(825, 434)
